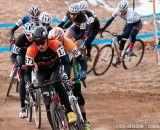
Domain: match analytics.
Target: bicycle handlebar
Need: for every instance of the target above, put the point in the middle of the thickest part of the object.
(113, 34)
(53, 82)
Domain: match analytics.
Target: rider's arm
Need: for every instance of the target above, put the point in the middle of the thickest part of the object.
(74, 52)
(29, 61)
(18, 24)
(67, 24)
(108, 22)
(12, 31)
(64, 20)
(82, 62)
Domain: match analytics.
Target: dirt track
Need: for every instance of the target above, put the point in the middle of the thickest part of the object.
(119, 98)
(116, 100)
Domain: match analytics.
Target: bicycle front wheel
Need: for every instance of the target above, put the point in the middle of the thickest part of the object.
(37, 109)
(103, 60)
(12, 82)
(133, 60)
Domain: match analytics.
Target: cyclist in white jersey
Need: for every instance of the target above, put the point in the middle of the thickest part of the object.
(132, 27)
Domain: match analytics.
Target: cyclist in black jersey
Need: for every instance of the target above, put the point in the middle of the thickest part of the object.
(23, 41)
(33, 16)
(92, 21)
(45, 19)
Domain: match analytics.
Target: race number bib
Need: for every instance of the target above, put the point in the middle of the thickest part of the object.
(76, 52)
(61, 52)
(90, 20)
(29, 60)
(16, 49)
(83, 26)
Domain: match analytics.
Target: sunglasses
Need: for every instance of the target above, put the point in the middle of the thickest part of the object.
(40, 43)
(45, 24)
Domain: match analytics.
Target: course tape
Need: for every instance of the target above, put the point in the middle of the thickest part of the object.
(55, 20)
(100, 41)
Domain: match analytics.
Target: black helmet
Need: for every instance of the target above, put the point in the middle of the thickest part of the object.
(39, 34)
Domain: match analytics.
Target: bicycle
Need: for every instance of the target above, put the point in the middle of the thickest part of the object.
(105, 56)
(15, 78)
(33, 103)
(57, 110)
(79, 125)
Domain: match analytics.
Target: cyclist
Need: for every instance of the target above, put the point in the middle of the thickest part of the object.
(74, 52)
(94, 26)
(132, 27)
(33, 16)
(48, 56)
(23, 41)
(45, 19)
(79, 28)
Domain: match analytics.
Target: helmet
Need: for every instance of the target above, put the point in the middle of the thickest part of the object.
(123, 5)
(34, 11)
(74, 8)
(39, 34)
(45, 17)
(83, 5)
(28, 27)
(56, 33)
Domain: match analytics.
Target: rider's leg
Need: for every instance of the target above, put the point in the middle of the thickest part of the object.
(43, 76)
(81, 100)
(134, 33)
(22, 93)
(92, 34)
(56, 77)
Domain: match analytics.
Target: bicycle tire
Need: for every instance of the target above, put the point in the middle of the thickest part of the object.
(100, 67)
(138, 51)
(37, 109)
(11, 82)
(28, 106)
(59, 121)
(93, 55)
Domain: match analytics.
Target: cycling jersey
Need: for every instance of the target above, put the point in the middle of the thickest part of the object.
(71, 48)
(20, 47)
(130, 16)
(45, 60)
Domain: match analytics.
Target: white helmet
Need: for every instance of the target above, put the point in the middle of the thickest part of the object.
(74, 8)
(28, 27)
(45, 17)
(83, 5)
(34, 11)
(56, 33)
(123, 5)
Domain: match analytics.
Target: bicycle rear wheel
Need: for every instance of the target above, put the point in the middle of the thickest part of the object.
(12, 81)
(37, 109)
(137, 56)
(103, 60)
